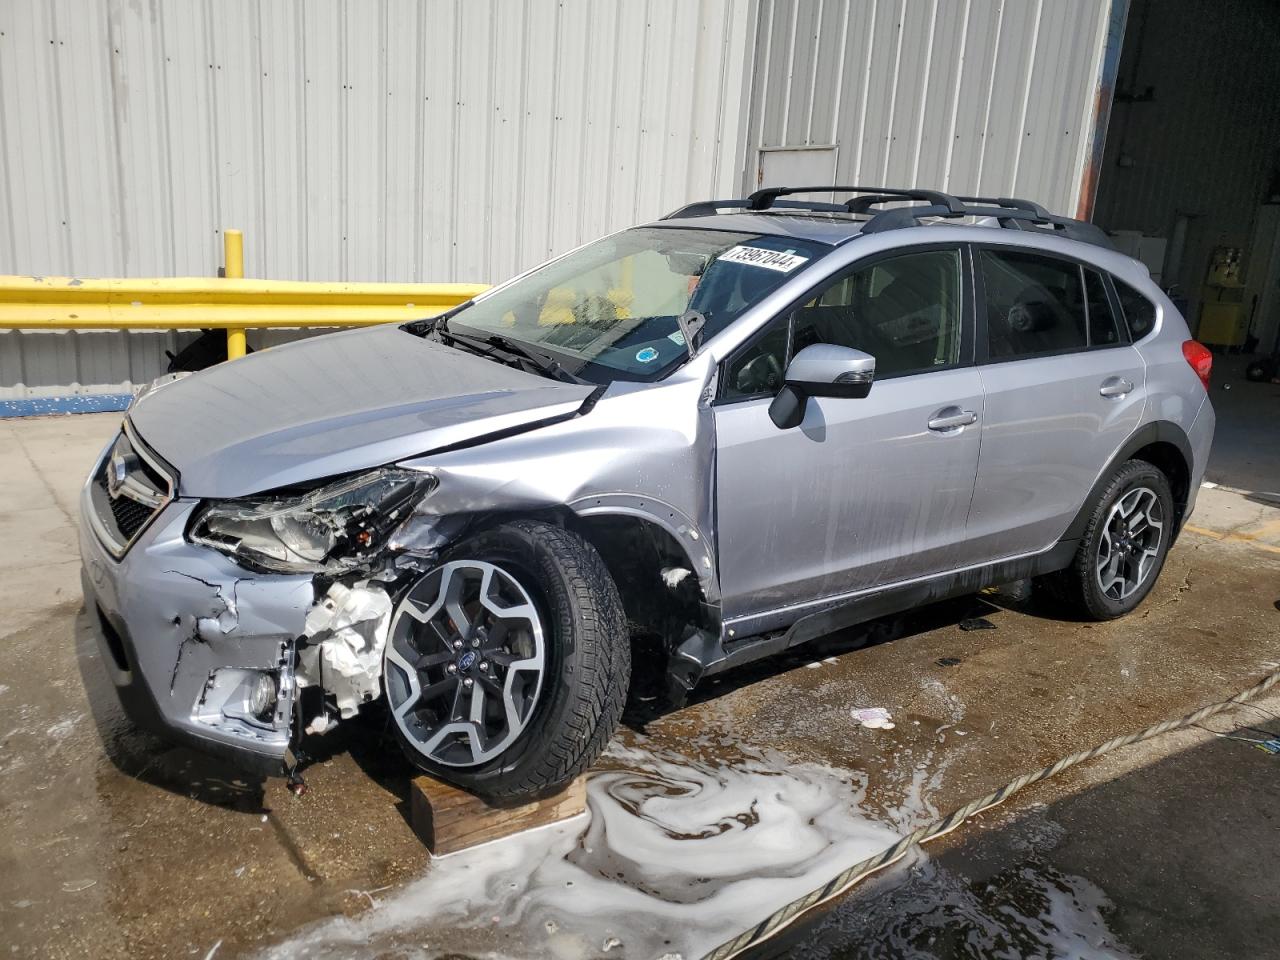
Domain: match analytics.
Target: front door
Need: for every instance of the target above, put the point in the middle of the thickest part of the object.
(864, 492)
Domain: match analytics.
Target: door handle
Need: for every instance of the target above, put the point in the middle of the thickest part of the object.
(951, 418)
(1113, 388)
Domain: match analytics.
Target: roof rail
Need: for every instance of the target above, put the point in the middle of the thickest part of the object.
(1009, 212)
(708, 208)
(1016, 204)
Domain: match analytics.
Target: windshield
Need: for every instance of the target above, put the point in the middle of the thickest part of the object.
(609, 311)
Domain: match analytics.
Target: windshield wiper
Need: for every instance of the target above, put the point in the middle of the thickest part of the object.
(540, 362)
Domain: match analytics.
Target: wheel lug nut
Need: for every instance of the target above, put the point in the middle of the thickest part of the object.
(457, 644)
(475, 642)
(467, 682)
(452, 668)
(484, 666)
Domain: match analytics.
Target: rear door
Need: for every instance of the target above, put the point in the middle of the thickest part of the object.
(1064, 389)
(864, 492)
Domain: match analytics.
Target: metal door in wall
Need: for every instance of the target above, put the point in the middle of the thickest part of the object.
(796, 167)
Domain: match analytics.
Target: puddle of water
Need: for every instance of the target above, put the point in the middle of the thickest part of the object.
(678, 855)
(1030, 910)
(914, 784)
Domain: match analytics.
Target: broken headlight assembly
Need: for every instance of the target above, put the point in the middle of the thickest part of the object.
(333, 528)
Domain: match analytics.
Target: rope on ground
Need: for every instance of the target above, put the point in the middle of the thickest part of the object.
(847, 879)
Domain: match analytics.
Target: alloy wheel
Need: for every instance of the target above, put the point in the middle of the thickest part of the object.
(1130, 543)
(465, 662)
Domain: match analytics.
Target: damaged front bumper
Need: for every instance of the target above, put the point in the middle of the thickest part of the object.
(199, 650)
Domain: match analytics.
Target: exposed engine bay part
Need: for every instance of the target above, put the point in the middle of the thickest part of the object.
(341, 651)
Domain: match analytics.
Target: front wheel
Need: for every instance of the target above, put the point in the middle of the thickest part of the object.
(507, 665)
(1124, 545)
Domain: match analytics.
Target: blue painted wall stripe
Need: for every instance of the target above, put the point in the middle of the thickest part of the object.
(45, 406)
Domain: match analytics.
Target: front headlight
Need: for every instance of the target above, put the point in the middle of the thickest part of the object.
(330, 529)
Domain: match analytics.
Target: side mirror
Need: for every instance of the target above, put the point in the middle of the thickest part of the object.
(821, 370)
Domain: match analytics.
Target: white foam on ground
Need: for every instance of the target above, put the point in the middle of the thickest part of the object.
(678, 855)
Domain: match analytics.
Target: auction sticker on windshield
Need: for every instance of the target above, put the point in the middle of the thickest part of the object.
(769, 259)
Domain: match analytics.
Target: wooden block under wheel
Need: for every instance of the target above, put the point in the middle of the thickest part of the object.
(448, 820)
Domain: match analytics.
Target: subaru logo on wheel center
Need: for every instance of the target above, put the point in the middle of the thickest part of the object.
(467, 660)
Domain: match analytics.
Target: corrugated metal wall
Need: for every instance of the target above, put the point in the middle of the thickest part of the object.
(349, 139)
(452, 140)
(355, 139)
(974, 96)
(1208, 140)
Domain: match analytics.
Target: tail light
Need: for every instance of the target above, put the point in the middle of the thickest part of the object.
(1200, 359)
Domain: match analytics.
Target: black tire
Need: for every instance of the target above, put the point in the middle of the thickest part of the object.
(1079, 586)
(588, 663)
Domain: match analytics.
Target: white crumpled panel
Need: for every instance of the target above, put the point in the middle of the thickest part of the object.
(346, 632)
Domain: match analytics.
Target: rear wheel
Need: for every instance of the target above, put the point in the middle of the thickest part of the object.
(1124, 545)
(507, 665)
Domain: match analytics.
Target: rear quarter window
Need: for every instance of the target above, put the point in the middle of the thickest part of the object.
(1139, 312)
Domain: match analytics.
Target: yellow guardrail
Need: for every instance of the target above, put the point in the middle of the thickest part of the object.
(231, 303)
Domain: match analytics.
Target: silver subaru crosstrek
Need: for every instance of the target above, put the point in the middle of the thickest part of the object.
(697, 442)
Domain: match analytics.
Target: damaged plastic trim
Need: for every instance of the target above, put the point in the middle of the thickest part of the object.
(341, 650)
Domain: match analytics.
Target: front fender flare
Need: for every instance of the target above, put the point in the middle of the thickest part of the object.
(697, 546)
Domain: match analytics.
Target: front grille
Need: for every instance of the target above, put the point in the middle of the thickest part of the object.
(129, 515)
(123, 508)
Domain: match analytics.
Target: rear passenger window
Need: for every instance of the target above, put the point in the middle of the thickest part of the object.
(1035, 305)
(1104, 331)
(1139, 312)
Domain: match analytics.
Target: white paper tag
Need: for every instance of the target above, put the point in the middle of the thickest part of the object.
(769, 259)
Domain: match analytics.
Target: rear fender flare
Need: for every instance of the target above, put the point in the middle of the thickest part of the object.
(1158, 431)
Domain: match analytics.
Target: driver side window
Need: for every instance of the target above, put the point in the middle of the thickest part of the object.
(903, 310)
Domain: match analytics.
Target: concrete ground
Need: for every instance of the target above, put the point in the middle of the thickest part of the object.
(1246, 445)
(115, 844)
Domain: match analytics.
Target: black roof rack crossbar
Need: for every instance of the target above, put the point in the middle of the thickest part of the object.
(907, 216)
(768, 197)
(1028, 205)
(903, 217)
(865, 203)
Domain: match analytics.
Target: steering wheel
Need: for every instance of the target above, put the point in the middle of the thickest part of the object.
(760, 374)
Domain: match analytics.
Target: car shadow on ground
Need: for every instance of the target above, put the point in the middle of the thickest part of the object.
(971, 612)
(369, 741)
(1152, 864)
(144, 756)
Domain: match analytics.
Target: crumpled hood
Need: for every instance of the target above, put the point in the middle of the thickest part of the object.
(333, 404)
